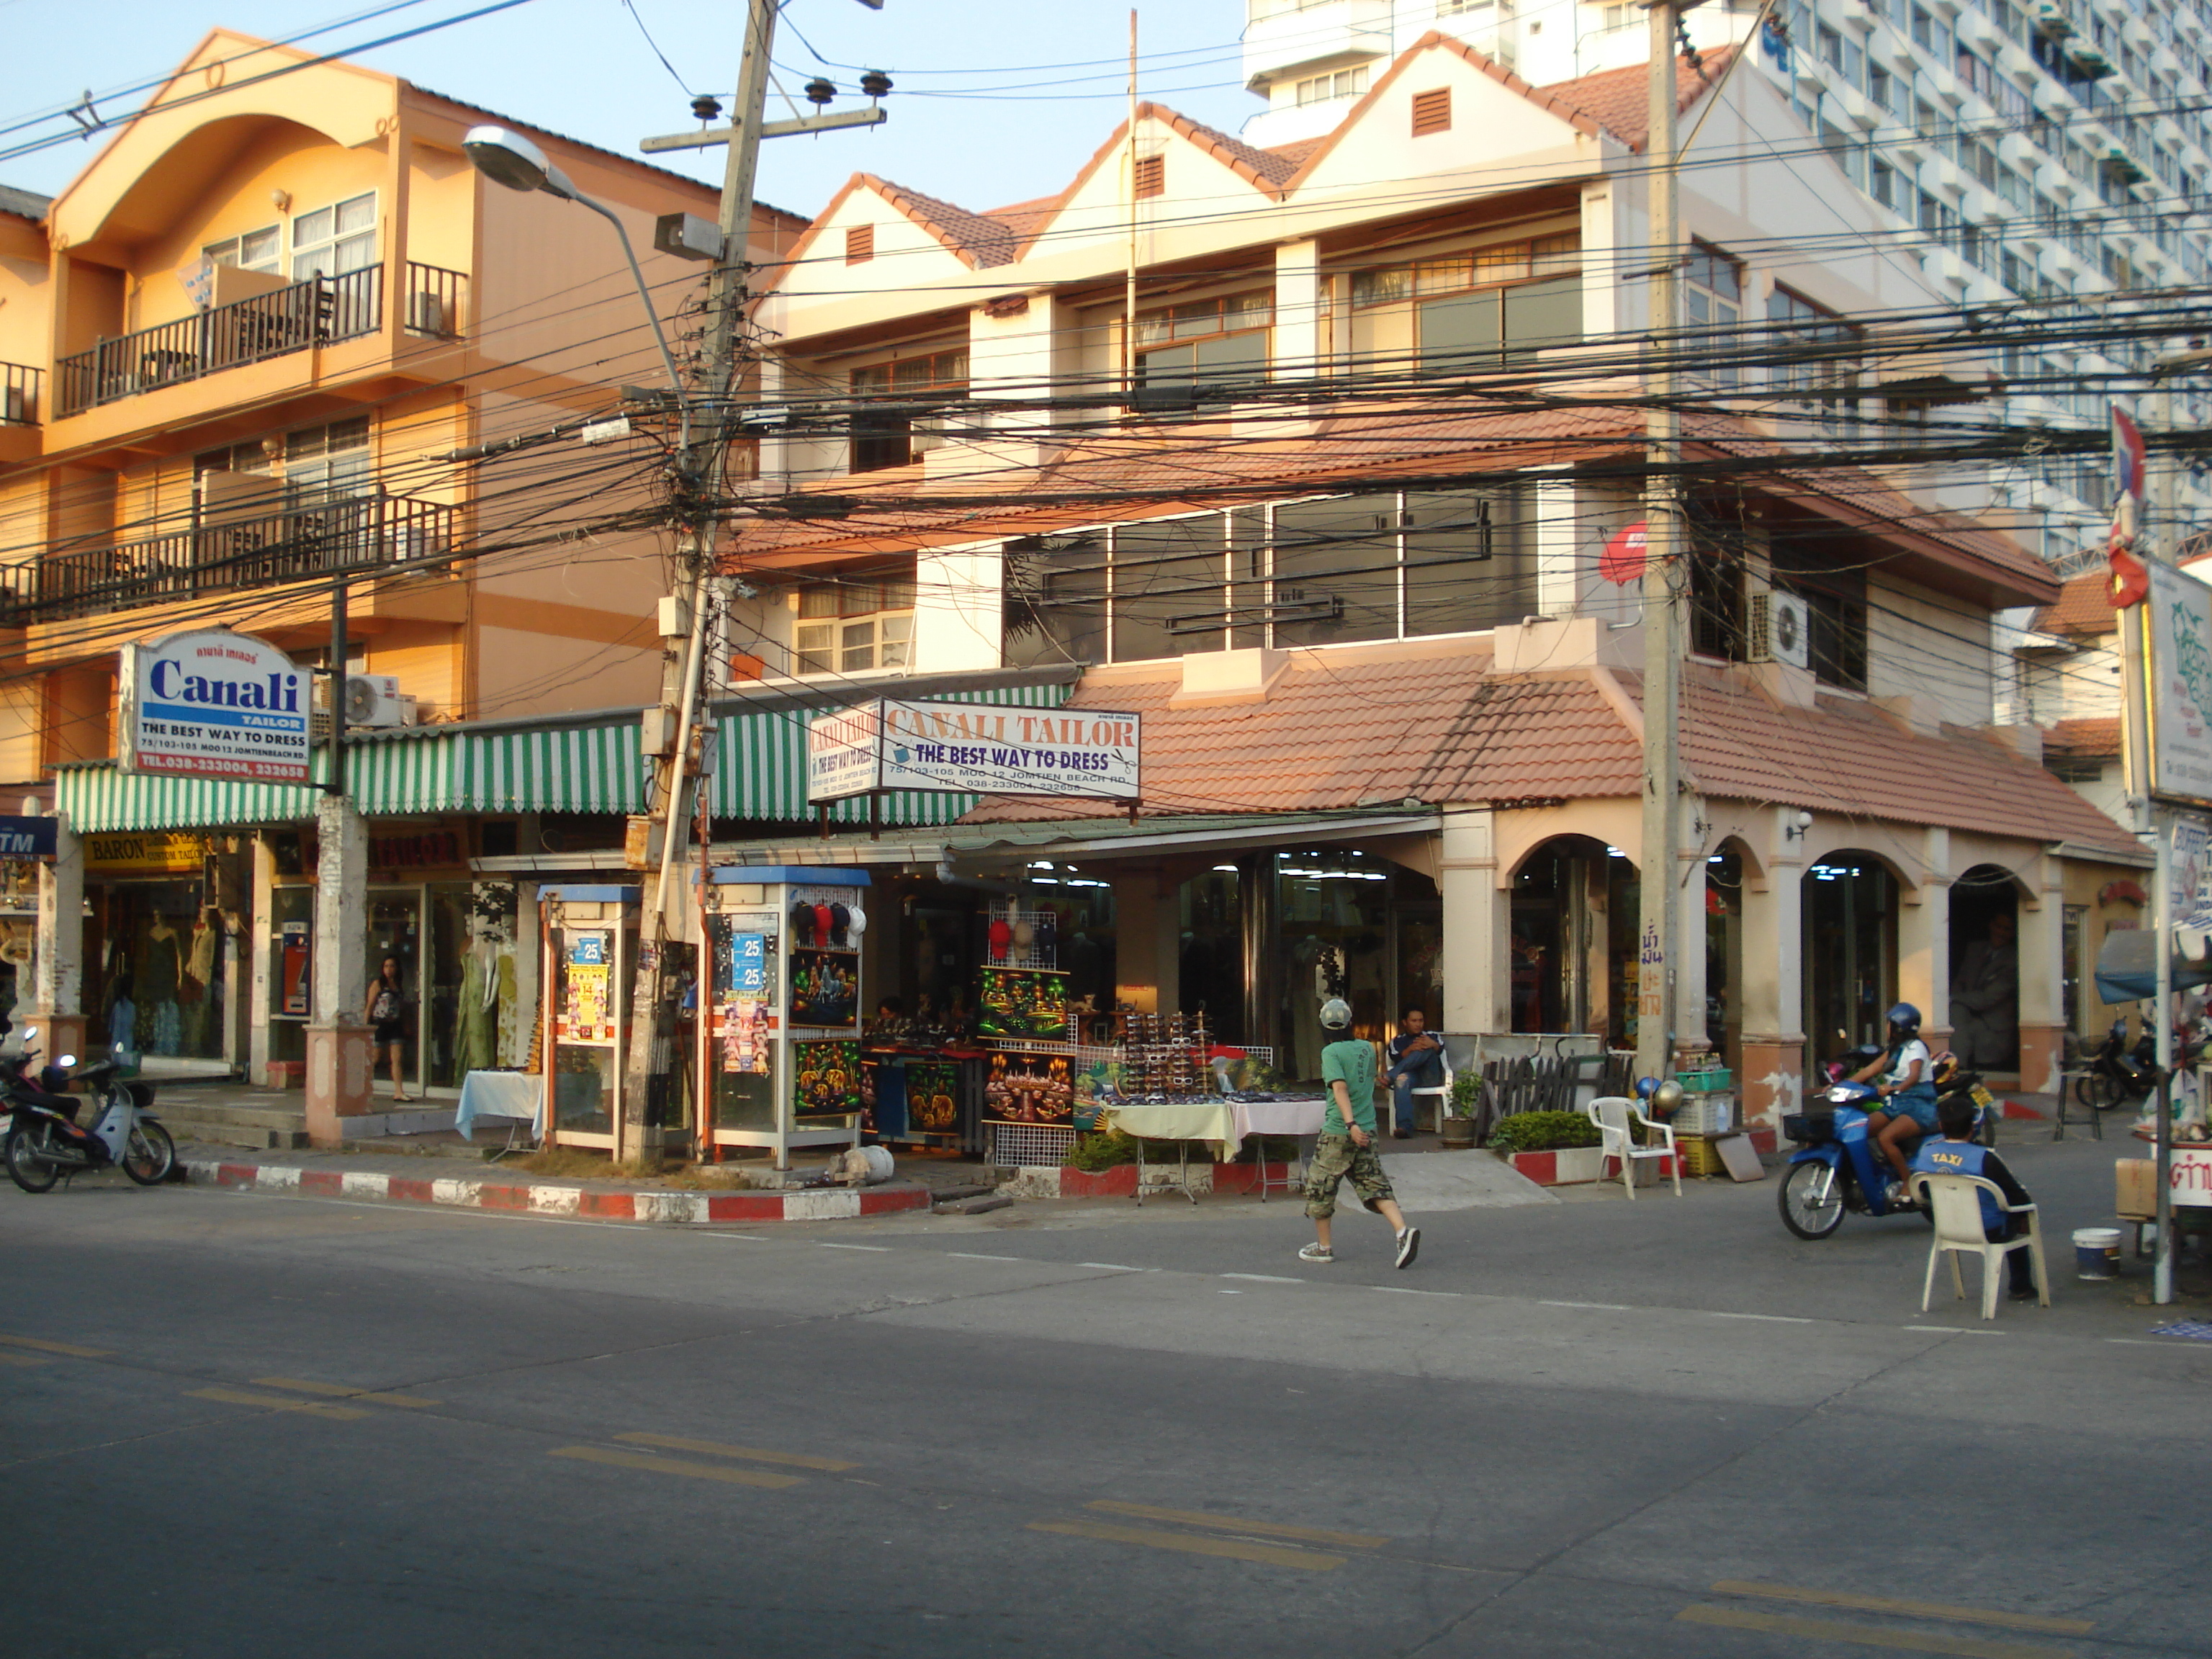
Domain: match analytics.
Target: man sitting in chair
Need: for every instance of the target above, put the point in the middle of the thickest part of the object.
(1956, 1154)
(1416, 1061)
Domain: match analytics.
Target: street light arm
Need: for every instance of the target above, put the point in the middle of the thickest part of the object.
(637, 275)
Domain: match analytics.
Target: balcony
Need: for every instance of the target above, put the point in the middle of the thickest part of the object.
(319, 312)
(19, 394)
(362, 536)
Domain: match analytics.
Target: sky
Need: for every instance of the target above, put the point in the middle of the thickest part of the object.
(994, 100)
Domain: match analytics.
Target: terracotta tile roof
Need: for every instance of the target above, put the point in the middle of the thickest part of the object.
(1362, 726)
(1024, 220)
(1296, 153)
(1262, 166)
(2084, 610)
(980, 240)
(2083, 737)
(1619, 99)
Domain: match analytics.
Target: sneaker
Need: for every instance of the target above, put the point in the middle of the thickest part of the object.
(1316, 1253)
(2024, 1293)
(1409, 1246)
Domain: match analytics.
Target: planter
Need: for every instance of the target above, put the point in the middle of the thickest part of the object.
(1568, 1166)
(1458, 1132)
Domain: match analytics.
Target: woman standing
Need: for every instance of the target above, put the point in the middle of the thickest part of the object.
(386, 1011)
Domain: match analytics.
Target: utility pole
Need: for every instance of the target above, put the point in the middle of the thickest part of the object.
(1658, 941)
(673, 730)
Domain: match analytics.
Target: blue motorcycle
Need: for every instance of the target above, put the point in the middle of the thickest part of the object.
(1836, 1167)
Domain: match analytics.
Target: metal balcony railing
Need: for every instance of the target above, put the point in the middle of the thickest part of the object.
(360, 535)
(320, 310)
(19, 387)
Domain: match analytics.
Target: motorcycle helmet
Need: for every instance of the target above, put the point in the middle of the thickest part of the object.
(1666, 1100)
(1904, 1020)
(1336, 1014)
(1644, 1085)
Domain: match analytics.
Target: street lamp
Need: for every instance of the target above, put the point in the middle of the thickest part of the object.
(509, 159)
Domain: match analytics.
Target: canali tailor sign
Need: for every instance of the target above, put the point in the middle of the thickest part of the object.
(972, 748)
(215, 705)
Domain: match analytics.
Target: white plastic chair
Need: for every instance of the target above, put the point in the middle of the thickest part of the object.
(1614, 1114)
(1443, 1091)
(1955, 1202)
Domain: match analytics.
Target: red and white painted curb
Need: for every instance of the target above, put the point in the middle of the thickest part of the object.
(549, 1198)
(1055, 1180)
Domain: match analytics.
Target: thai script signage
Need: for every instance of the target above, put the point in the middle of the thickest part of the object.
(978, 749)
(215, 705)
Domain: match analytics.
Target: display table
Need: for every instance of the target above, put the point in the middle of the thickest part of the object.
(1300, 1119)
(1225, 1122)
(518, 1096)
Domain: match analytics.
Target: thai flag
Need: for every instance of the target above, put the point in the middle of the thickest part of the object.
(2130, 460)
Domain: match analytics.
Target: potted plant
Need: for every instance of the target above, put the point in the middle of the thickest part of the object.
(1458, 1127)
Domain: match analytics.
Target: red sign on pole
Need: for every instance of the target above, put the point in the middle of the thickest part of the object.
(1622, 561)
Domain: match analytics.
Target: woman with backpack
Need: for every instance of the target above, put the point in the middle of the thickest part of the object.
(387, 1009)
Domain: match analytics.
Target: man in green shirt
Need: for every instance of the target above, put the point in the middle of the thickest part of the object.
(1345, 1150)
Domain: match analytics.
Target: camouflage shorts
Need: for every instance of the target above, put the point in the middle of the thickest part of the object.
(1336, 1160)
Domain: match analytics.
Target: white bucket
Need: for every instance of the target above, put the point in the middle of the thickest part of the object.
(2097, 1252)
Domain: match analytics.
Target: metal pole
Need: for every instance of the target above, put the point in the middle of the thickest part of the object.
(2162, 899)
(1130, 299)
(336, 783)
(1656, 883)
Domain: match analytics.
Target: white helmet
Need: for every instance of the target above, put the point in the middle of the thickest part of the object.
(1336, 1013)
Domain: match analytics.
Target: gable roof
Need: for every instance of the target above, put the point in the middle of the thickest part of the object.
(1620, 100)
(2084, 611)
(24, 204)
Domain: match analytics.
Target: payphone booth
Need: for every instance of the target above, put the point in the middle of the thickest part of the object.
(779, 1039)
(590, 955)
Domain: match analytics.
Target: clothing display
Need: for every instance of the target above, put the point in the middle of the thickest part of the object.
(477, 1013)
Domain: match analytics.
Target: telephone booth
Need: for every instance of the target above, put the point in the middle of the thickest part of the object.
(779, 1037)
(590, 959)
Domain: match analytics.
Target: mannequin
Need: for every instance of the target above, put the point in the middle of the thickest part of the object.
(477, 1013)
(200, 984)
(154, 988)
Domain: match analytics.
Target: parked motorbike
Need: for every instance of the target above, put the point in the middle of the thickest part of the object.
(1837, 1167)
(45, 1141)
(2118, 1075)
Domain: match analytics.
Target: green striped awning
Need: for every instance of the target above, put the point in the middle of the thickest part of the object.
(760, 766)
(96, 798)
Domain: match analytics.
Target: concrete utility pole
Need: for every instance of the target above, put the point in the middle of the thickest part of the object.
(1658, 942)
(672, 730)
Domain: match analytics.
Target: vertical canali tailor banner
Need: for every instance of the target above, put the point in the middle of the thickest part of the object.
(973, 748)
(2178, 629)
(215, 705)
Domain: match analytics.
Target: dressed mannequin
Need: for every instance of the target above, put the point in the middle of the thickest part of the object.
(200, 971)
(154, 988)
(474, 1047)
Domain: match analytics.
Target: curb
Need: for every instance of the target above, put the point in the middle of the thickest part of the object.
(547, 1198)
(1055, 1181)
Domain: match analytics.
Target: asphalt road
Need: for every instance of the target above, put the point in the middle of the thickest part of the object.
(238, 1425)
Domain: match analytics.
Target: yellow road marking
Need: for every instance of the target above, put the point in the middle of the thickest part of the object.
(277, 1402)
(69, 1348)
(668, 1465)
(22, 1359)
(1273, 1555)
(339, 1391)
(1867, 1635)
(1347, 1540)
(1909, 1609)
(717, 1449)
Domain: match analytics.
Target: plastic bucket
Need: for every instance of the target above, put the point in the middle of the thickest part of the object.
(2097, 1252)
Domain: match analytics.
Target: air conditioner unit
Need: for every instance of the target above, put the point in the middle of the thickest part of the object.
(374, 700)
(1780, 630)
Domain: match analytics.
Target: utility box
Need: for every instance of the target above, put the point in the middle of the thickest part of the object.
(687, 236)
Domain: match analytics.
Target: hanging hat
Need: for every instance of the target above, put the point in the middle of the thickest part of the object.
(1000, 934)
(821, 924)
(1024, 935)
(856, 923)
(802, 924)
(839, 920)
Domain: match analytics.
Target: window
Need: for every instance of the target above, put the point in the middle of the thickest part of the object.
(1151, 176)
(1712, 304)
(333, 240)
(1836, 615)
(854, 627)
(1882, 87)
(1819, 355)
(1881, 183)
(1325, 89)
(1432, 111)
(889, 439)
(1219, 342)
(324, 464)
(1307, 572)
(860, 244)
(1476, 311)
(256, 250)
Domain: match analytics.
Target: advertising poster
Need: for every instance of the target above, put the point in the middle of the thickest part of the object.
(584, 1016)
(933, 1096)
(1028, 1088)
(828, 1078)
(1021, 1002)
(215, 705)
(825, 989)
(742, 986)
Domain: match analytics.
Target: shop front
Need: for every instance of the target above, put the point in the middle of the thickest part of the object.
(163, 909)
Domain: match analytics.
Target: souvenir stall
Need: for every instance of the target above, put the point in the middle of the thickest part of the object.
(922, 1078)
(591, 956)
(779, 1035)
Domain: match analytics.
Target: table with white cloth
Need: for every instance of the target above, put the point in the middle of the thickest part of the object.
(1298, 1119)
(518, 1096)
(1223, 1122)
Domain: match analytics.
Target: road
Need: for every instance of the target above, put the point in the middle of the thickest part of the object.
(238, 1425)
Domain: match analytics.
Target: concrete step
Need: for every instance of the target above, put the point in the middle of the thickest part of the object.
(212, 1123)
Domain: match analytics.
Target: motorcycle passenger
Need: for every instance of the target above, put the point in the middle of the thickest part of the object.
(1903, 1075)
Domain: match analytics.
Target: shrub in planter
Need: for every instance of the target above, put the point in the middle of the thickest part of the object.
(1466, 1094)
(1542, 1132)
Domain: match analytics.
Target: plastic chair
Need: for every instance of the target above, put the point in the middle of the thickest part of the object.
(1617, 1117)
(1955, 1202)
(1443, 1091)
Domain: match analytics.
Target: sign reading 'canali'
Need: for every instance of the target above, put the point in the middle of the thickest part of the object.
(215, 705)
(975, 749)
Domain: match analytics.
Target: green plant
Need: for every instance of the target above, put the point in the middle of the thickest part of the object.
(1104, 1151)
(1466, 1094)
(1543, 1132)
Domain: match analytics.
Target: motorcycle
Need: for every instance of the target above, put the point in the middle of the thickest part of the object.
(45, 1141)
(2118, 1075)
(1837, 1167)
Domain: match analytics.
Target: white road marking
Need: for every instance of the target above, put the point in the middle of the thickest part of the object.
(1266, 1279)
(1115, 1268)
(1408, 1290)
(1952, 1330)
(1602, 1307)
(971, 1256)
(825, 1244)
(1771, 1319)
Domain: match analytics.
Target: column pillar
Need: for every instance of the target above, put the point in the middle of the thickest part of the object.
(1558, 535)
(1923, 946)
(2042, 986)
(1689, 876)
(57, 964)
(260, 922)
(1773, 1079)
(340, 1052)
(1477, 925)
(1297, 347)
(1263, 961)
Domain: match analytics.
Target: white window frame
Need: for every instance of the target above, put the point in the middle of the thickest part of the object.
(214, 253)
(336, 239)
(833, 645)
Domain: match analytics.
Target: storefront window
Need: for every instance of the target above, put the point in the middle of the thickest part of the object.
(1850, 953)
(1335, 909)
(160, 984)
(1209, 955)
(1573, 954)
(1724, 955)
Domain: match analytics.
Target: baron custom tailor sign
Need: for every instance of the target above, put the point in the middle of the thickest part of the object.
(215, 705)
(975, 748)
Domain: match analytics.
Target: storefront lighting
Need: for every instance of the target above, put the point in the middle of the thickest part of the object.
(1718, 858)
(1230, 868)
(1041, 864)
(1615, 852)
(1083, 881)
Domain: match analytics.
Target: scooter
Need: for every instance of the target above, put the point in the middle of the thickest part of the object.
(1836, 1166)
(2118, 1075)
(45, 1141)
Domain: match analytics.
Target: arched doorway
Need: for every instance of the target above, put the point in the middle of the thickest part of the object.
(1724, 889)
(1984, 990)
(1573, 954)
(1850, 902)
